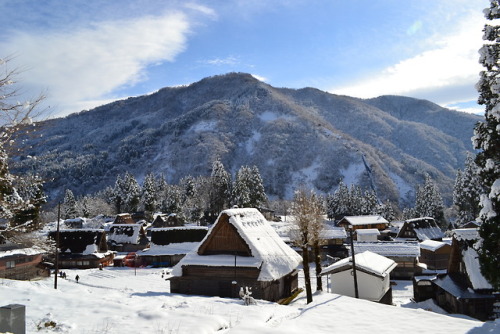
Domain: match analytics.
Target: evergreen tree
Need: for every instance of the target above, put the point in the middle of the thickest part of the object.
(337, 204)
(149, 195)
(429, 202)
(355, 201)
(127, 193)
(172, 200)
(466, 192)
(69, 205)
(220, 188)
(30, 189)
(487, 140)
(241, 188)
(257, 192)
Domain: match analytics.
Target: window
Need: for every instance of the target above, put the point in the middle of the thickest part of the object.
(10, 264)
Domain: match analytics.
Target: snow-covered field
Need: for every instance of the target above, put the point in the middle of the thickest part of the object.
(124, 300)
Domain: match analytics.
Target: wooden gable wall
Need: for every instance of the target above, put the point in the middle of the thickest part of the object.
(224, 239)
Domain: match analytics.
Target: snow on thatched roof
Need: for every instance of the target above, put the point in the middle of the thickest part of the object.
(466, 234)
(170, 249)
(268, 251)
(366, 261)
(425, 228)
(389, 248)
(124, 233)
(365, 220)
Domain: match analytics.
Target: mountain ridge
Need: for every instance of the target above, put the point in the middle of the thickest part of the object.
(294, 136)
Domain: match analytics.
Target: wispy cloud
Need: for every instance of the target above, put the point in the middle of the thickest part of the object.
(448, 70)
(230, 60)
(86, 64)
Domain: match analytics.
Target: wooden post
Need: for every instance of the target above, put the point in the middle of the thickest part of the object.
(56, 272)
(356, 294)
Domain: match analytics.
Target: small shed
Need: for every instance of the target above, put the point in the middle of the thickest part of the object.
(20, 263)
(166, 220)
(367, 235)
(435, 254)
(373, 277)
(82, 248)
(464, 289)
(364, 222)
(127, 237)
(169, 245)
(424, 228)
(241, 250)
(405, 254)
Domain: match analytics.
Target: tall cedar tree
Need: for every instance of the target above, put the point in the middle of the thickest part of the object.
(220, 188)
(466, 192)
(429, 202)
(487, 140)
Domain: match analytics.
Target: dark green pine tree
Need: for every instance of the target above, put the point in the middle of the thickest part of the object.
(10, 201)
(466, 192)
(429, 202)
(487, 140)
(69, 205)
(257, 192)
(220, 188)
(241, 187)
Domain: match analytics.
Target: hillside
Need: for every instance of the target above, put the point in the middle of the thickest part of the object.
(293, 136)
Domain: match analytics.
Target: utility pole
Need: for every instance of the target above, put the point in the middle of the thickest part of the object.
(57, 245)
(356, 294)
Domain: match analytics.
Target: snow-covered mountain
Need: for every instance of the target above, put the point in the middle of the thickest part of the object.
(294, 137)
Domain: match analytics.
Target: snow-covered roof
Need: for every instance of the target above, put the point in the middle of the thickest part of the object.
(170, 249)
(268, 251)
(449, 285)
(432, 245)
(368, 231)
(466, 234)
(473, 269)
(124, 233)
(425, 228)
(20, 251)
(389, 248)
(364, 220)
(367, 261)
(333, 232)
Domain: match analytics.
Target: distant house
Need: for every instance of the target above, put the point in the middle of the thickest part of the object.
(74, 223)
(334, 238)
(124, 218)
(19, 263)
(405, 254)
(421, 229)
(170, 244)
(82, 248)
(373, 277)
(166, 220)
(127, 237)
(435, 254)
(364, 222)
(241, 250)
(464, 289)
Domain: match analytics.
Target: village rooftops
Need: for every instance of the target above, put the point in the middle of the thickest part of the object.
(267, 250)
(389, 248)
(367, 261)
(368, 231)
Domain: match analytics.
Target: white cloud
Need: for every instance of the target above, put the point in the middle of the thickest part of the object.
(451, 63)
(86, 64)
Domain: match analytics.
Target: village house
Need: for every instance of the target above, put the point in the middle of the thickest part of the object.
(435, 254)
(363, 222)
(19, 263)
(367, 235)
(405, 254)
(82, 248)
(124, 218)
(372, 275)
(464, 289)
(170, 244)
(421, 229)
(127, 237)
(241, 250)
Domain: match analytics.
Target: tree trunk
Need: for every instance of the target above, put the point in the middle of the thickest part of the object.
(317, 261)
(307, 276)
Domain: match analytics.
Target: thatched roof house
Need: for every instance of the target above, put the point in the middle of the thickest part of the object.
(241, 250)
(82, 248)
(464, 289)
(127, 237)
(170, 244)
(424, 228)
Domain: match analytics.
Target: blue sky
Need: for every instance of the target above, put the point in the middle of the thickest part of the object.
(82, 54)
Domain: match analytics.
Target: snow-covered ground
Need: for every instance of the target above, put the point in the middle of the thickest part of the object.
(125, 300)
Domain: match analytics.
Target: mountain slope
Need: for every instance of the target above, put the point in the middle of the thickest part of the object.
(293, 136)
